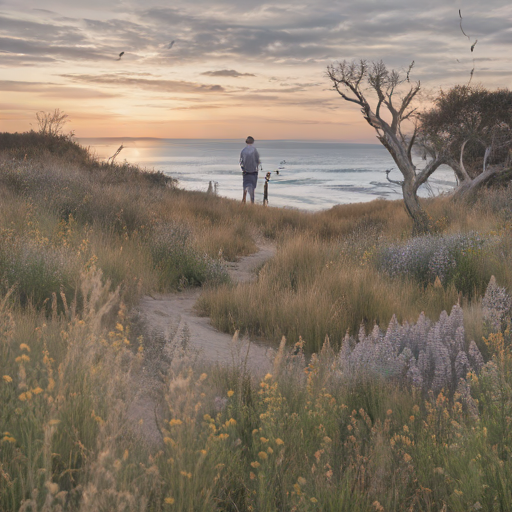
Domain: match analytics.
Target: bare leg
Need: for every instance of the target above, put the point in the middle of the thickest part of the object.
(245, 195)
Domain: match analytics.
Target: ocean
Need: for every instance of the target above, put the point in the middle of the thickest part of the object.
(312, 175)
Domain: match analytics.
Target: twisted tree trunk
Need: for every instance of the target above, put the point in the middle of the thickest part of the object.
(347, 79)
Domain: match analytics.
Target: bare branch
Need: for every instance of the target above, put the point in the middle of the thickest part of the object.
(393, 181)
(411, 142)
(429, 169)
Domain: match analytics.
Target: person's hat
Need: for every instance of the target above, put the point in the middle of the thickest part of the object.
(249, 140)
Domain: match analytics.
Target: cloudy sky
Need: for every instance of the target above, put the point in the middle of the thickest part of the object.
(235, 67)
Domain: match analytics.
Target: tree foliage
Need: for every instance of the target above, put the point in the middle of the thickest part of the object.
(472, 127)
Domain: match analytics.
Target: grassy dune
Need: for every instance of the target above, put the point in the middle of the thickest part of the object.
(81, 242)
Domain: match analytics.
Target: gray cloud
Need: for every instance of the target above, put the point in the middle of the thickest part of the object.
(160, 85)
(226, 72)
(52, 90)
(220, 38)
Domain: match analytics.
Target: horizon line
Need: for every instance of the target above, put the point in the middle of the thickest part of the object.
(241, 140)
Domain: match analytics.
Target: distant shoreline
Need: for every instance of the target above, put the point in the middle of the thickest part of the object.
(319, 141)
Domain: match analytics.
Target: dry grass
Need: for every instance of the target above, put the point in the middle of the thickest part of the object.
(313, 290)
(302, 439)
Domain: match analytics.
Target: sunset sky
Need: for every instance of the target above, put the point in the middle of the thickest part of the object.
(236, 67)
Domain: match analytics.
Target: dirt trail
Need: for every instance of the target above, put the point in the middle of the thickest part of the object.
(172, 320)
(174, 316)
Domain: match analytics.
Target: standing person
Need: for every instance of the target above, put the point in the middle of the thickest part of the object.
(249, 162)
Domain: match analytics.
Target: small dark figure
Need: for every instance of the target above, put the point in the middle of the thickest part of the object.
(277, 172)
(120, 55)
(265, 189)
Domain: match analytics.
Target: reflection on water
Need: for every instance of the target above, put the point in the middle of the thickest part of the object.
(315, 175)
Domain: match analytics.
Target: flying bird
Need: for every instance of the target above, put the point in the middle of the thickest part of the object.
(474, 44)
(120, 55)
(171, 44)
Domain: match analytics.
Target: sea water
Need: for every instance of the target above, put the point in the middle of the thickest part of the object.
(312, 175)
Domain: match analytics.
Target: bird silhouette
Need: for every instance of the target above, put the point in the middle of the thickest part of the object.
(171, 44)
(474, 44)
(120, 55)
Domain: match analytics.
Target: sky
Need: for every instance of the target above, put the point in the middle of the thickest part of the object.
(224, 69)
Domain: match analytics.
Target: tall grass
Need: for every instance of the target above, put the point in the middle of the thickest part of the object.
(81, 241)
(313, 289)
(302, 438)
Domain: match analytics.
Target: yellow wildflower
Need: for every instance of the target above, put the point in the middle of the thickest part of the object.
(51, 384)
(327, 439)
(269, 450)
(22, 359)
(263, 440)
(301, 480)
(252, 476)
(279, 441)
(263, 456)
(231, 421)
(8, 439)
(223, 436)
(23, 397)
(203, 376)
(53, 422)
(24, 346)
(119, 327)
(416, 409)
(174, 422)
(7, 378)
(37, 390)
(407, 457)
(313, 500)
(203, 452)
(268, 376)
(389, 412)
(185, 474)
(169, 501)
(231, 393)
(255, 464)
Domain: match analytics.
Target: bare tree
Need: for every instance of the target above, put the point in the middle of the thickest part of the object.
(51, 123)
(472, 126)
(391, 94)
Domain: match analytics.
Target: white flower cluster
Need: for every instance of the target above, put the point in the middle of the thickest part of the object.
(496, 305)
(429, 256)
(431, 356)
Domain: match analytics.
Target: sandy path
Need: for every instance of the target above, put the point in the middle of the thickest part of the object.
(172, 320)
(174, 316)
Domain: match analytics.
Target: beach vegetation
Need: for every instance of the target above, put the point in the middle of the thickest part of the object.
(389, 387)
